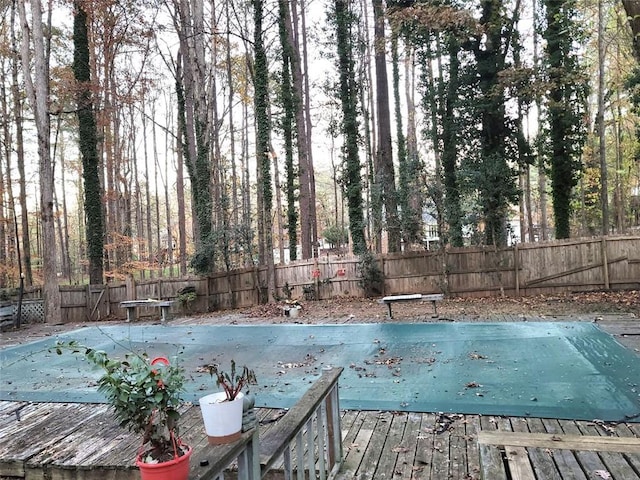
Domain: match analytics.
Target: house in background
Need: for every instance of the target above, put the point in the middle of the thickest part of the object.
(431, 238)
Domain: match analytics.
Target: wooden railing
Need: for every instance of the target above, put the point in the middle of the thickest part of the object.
(309, 436)
(307, 440)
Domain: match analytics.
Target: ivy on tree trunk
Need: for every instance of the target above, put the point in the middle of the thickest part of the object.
(88, 140)
(353, 172)
(566, 108)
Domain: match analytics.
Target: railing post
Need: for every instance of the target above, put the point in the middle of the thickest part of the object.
(323, 439)
(334, 448)
(249, 460)
(288, 470)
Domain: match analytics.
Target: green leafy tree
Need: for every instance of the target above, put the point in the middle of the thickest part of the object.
(336, 236)
(495, 178)
(344, 22)
(450, 137)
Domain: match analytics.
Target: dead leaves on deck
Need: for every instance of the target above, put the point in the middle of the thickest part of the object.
(603, 474)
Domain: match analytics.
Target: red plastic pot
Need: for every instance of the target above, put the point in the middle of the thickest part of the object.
(176, 469)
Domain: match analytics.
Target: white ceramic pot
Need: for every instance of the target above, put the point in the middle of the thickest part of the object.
(222, 418)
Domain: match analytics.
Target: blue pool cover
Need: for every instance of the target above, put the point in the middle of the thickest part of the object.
(541, 369)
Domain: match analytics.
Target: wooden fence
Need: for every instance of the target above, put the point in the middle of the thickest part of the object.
(585, 264)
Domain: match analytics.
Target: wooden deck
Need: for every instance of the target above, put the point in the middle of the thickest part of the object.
(49, 441)
(386, 445)
(81, 442)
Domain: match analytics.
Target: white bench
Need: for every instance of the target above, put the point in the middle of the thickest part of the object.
(433, 298)
(131, 305)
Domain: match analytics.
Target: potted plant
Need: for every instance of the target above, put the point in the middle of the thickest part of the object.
(222, 411)
(145, 395)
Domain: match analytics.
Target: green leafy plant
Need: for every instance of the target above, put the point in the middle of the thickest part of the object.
(287, 291)
(145, 395)
(186, 296)
(309, 292)
(233, 382)
(371, 276)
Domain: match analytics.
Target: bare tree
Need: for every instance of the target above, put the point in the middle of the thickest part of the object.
(37, 87)
(384, 173)
(19, 142)
(602, 152)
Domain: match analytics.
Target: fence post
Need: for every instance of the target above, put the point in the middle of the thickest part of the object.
(516, 265)
(208, 293)
(383, 275)
(605, 263)
(107, 297)
(130, 283)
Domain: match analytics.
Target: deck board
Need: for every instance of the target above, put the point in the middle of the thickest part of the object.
(424, 447)
(539, 458)
(375, 446)
(407, 447)
(441, 460)
(355, 445)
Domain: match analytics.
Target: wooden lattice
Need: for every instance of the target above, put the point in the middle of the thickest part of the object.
(32, 311)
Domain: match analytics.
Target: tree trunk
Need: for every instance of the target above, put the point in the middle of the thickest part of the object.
(619, 191)
(452, 207)
(540, 163)
(365, 84)
(305, 167)
(19, 143)
(189, 23)
(37, 88)
(287, 124)
(182, 152)
(565, 110)
(8, 235)
(167, 202)
(276, 181)
(313, 216)
(385, 176)
(602, 151)
(235, 206)
(263, 131)
(63, 218)
(496, 182)
(410, 218)
(161, 254)
(148, 230)
(415, 197)
(352, 168)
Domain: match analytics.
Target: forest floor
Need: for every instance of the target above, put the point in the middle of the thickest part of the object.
(591, 306)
